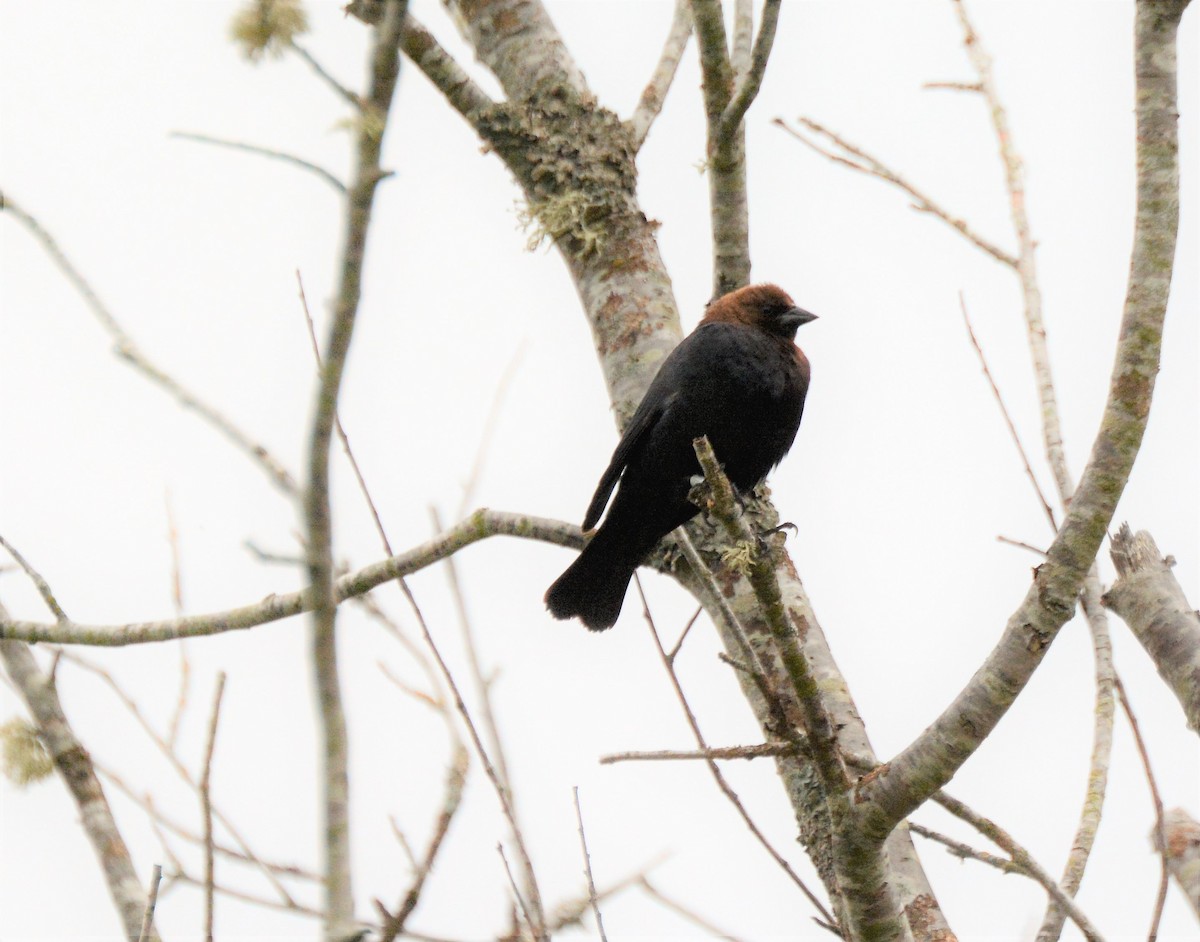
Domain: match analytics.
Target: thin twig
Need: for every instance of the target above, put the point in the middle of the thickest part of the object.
(206, 807)
(42, 586)
(1159, 831)
(322, 73)
(456, 777)
(724, 786)
(264, 901)
(181, 770)
(655, 92)
(679, 909)
(1012, 428)
(1022, 859)
(185, 668)
(498, 786)
(127, 350)
(674, 652)
(1021, 544)
(587, 867)
(855, 158)
(1026, 268)
(151, 904)
(159, 820)
(966, 851)
(512, 885)
(484, 446)
(268, 152)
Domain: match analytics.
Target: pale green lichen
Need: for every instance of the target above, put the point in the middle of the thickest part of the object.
(25, 759)
(568, 214)
(739, 556)
(268, 26)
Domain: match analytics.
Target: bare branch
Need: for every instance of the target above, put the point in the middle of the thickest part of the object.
(938, 752)
(206, 807)
(176, 763)
(1026, 268)
(587, 867)
(151, 904)
(127, 350)
(713, 43)
(339, 916)
(1159, 833)
(480, 525)
(655, 93)
(1150, 600)
(437, 65)
(75, 767)
(268, 152)
(1022, 859)
(538, 933)
(713, 752)
(1012, 429)
(325, 76)
(456, 777)
(821, 738)
(849, 155)
(679, 909)
(1182, 853)
(42, 586)
(718, 777)
(748, 84)
(159, 821)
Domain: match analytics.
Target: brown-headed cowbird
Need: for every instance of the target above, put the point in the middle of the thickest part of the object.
(737, 378)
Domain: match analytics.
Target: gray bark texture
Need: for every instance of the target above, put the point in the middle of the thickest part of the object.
(1151, 602)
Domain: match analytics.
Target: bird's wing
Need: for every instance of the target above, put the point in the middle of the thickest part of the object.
(644, 419)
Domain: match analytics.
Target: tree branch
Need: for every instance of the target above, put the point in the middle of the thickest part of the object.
(75, 767)
(655, 93)
(933, 758)
(746, 89)
(1150, 600)
(1021, 859)
(849, 155)
(339, 896)
(480, 525)
(128, 351)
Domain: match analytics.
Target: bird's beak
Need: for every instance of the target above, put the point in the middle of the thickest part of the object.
(797, 317)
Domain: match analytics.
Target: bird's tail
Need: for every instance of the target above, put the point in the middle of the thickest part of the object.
(593, 587)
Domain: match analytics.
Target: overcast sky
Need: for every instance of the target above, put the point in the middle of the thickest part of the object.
(901, 479)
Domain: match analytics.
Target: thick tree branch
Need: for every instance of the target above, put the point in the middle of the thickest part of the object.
(1150, 600)
(932, 759)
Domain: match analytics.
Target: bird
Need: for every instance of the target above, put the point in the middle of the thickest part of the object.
(739, 379)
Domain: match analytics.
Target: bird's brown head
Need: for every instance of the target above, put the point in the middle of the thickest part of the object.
(766, 307)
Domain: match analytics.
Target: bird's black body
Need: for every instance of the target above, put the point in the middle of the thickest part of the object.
(738, 379)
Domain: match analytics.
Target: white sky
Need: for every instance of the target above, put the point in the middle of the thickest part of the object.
(900, 481)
